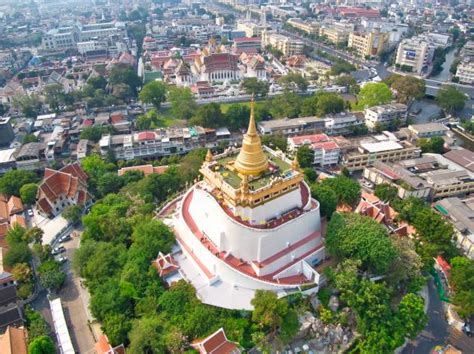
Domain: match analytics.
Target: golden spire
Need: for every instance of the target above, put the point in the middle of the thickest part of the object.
(209, 155)
(251, 159)
(295, 165)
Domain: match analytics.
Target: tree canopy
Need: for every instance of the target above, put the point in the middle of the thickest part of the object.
(28, 193)
(373, 94)
(346, 189)
(462, 279)
(386, 192)
(451, 99)
(322, 103)
(407, 87)
(154, 92)
(254, 86)
(12, 181)
(209, 116)
(326, 197)
(351, 235)
(305, 156)
(41, 345)
(293, 82)
(183, 104)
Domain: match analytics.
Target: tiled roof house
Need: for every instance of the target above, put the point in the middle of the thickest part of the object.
(61, 189)
(216, 343)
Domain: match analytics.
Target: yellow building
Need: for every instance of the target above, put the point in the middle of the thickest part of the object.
(334, 35)
(288, 46)
(368, 44)
(308, 27)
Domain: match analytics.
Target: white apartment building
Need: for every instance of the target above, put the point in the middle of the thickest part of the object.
(415, 54)
(326, 151)
(465, 71)
(288, 46)
(384, 114)
(60, 38)
(251, 29)
(308, 27)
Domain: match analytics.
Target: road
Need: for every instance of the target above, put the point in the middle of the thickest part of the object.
(75, 301)
(438, 332)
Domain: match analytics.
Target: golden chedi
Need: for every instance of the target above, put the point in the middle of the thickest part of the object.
(251, 159)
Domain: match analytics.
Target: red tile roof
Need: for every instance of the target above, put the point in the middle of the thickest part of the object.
(216, 343)
(146, 136)
(309, 139)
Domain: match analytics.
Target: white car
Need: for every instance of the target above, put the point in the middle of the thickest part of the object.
(30, 213)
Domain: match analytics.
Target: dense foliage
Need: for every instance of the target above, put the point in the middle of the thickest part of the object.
(351, 235)
(373, 94)
(346, 189)
(13, 180)
(462, 280)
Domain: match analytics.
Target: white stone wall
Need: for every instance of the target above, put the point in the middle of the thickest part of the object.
(244, 242)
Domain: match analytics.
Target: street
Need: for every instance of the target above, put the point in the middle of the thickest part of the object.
(75, 301)
(438, 332)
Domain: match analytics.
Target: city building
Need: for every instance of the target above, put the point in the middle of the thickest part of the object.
(11, 307)
(383, 148)
(161, 142)
(343, 123)
(61, 189)
(384, 114)
(432, 176)
(251, 29)
(250, 224)
(461, 214)
(292, 127)
(11, 213)
(287, 45)
(311, 28)
(103, 346)
(415, 55)
(220, 67)
(427, 130)
(247, 44)
(7, 160)
(465, 71)
(6, 132)
(335, 35)
(368, 44)
(326, 151)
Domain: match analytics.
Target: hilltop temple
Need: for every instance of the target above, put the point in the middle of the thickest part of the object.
(249, 224)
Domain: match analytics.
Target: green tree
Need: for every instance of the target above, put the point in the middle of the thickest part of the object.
(36, 325)
(254, 86)
(117, 327)
(28, 193)
(93, 133)
(326, 197)
(451, 99)
(287, 105)
(305, 156)
(146, 336)
(293, 82)
(97, 82)
(462, 278)
(154, 92)
(42, 345)
(109, 182)
(348, 82)
(322, 103)
(13, 180)
(268, 311)
(275, 141)
(411, 315)
(310, 175)
(54, 95)
(407, 87)
(373, 94)
(51, 276)
(29, 138)
(386, 192)
(209, 116)
(341, 67)
(237, 116)
(355, 236)
(18, 253)
(124, 74)
(434, 145)
(73, 214)
(30, 105)
(346, 189)
(183, 104)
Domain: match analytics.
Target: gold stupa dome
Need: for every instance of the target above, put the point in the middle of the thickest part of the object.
(251, 159)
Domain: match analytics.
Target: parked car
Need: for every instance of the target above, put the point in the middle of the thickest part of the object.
(61, 259)
(58, 250)
(64, 238)
(30, 213)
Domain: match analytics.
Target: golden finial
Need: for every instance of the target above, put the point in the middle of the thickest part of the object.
(209, 156)
(295, 165)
